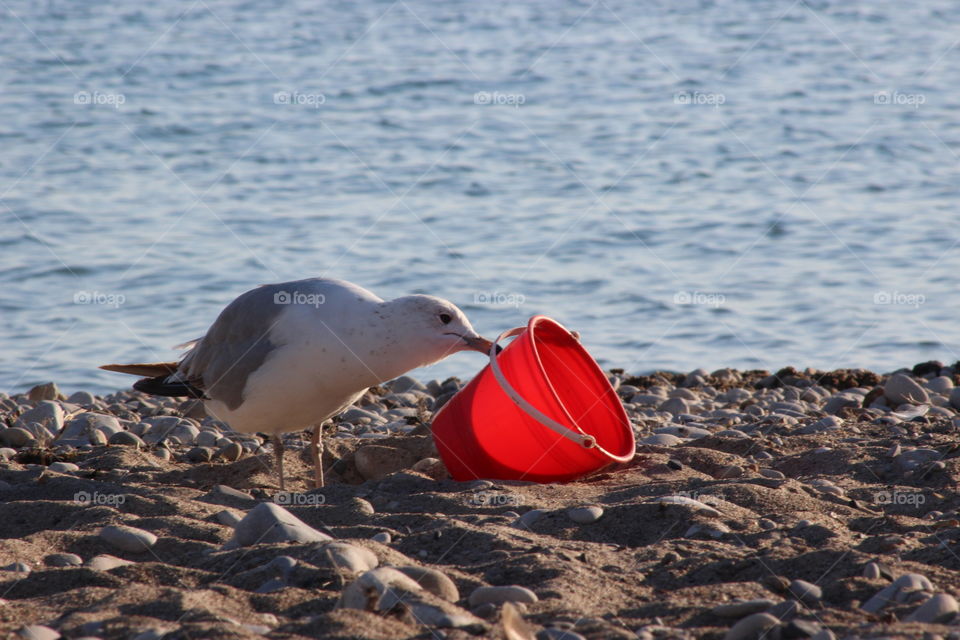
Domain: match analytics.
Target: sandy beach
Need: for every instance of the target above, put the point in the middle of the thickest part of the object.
(794, 504)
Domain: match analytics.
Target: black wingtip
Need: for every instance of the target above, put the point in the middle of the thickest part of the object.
(163, 386)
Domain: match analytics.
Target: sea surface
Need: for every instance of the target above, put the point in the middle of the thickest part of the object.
(688, 184)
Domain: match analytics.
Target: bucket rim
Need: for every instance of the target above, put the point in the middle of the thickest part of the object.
(625, 419)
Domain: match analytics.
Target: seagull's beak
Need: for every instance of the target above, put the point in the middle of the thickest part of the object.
(478, 343)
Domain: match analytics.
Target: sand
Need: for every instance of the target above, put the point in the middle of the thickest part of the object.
(773, 490)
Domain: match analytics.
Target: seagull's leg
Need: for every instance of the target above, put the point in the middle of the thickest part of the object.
(278, 452)
(316, 450)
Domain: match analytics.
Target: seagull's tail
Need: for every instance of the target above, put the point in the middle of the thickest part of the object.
(162, 379)
(151, 369)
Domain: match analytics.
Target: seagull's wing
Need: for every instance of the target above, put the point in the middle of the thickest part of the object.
(235, 346)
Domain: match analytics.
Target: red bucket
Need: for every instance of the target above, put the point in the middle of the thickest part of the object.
(541, 411)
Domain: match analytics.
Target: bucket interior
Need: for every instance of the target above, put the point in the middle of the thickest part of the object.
(583, 389)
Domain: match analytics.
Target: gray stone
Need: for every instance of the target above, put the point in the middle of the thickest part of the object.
(674, 406)
(662, 440)
(63, 560)
(18, 567)
(77, 431)
(128, 538)
(683, 431)
(910, 460)
(527, 520)
(46, 391)
(841, 401)
(200, 454)
(126, 438)
(17, 437)
(349, 557)
(940, 609)
(382, 537)
(786, 611)
(63, 467)
(955, 398)
(46, 412)
(385, 588)
(228, 518)
(433, 581)
(499, 595)
(82, 398)
(37, 632)
(106, 562)
(871, 570)
(231, 452)
(758, 625)
(903, 389)
(806, 592)
(404, 384)
(896, 591)
(940, 384)
(207, 438)
(586, 514)
(268, 523)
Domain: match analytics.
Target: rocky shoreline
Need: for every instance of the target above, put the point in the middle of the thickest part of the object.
(787, 505)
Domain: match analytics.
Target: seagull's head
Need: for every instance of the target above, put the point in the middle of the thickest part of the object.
(439, 326)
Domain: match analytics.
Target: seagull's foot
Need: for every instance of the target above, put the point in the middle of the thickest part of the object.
(278, 453)
(316, 452)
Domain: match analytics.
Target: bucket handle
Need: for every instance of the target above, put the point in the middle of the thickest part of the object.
(584, 440)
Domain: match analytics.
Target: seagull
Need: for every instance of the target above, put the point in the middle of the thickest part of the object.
(289, 356)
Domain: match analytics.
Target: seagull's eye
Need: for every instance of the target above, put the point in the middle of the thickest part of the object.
(445, 318)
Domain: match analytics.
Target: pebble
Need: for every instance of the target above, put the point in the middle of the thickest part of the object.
(17, 437)
(19, 567)
(38, 632)
(382, 537)
(105, 562)
(228, 518)
(47, 413)
(871, 570)
(896, 591)
(126, 439)
(752, 627)
(45, 391)
(350, 557)
(786, 610)
(741, 608)
(200, 454)
(940, 384)
(955, 398)
(527, 520)
(6, 453)
(586, 514)
(773, 474)
(674, 406)
(207, 438)
(433, 581)
(128, 538)
(231, 452)
(63, 467)
(940, 609)
(268, 523)
(82, 398)
(902, 389)
(806, 592)
(498, 595)
(63, 560)
(662, 440)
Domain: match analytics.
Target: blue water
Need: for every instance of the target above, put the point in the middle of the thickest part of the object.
(747, 184)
